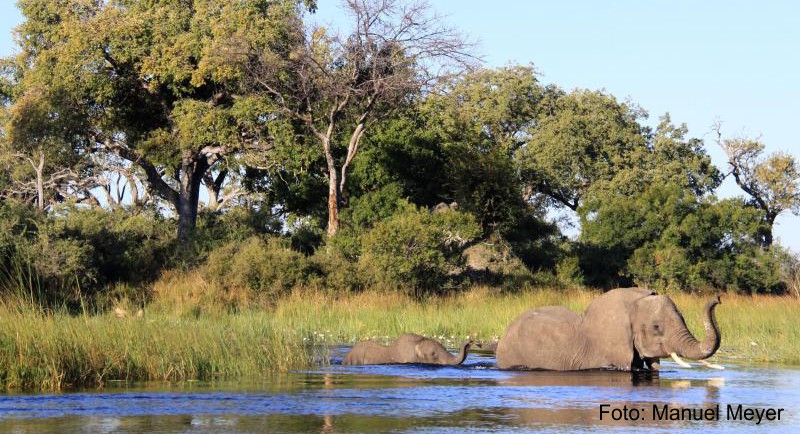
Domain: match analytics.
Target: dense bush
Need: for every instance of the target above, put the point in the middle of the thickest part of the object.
(69, 257)
(667, 238)
(266, 266)
(415, 250)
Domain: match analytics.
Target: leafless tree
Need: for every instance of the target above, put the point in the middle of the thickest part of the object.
(340, 84)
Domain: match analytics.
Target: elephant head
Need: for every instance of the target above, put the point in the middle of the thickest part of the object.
(635, 323)
(432, 352)
(659, 330)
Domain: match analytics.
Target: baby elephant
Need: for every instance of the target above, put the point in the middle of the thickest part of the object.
(408, 348)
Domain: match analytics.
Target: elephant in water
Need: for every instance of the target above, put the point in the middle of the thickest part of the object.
(408, 348)
(624, 329)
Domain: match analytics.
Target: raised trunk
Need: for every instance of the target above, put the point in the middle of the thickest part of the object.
(689, 347)
(462, 355)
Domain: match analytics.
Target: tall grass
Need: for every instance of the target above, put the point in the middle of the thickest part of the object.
(52, 351)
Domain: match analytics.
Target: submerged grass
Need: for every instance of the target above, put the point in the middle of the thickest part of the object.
(193, 330)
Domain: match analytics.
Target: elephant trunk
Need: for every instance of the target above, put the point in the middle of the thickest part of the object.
(462, 355)
(689, 347)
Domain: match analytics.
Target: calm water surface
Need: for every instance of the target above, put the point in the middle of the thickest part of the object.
(475, 397)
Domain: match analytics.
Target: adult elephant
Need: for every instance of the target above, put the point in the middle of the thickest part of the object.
(408, 348)
(627, 328)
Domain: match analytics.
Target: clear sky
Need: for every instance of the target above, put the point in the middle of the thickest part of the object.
(701, 61)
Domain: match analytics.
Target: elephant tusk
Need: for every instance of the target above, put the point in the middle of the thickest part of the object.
(679, 361)
(711, 365)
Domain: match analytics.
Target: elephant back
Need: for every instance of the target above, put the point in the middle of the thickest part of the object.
(536, 339)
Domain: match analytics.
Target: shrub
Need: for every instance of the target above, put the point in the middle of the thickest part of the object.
(71, 256)
(125, 247)
(331, 271)
(415, 250)
(268, 267)
(215, 229)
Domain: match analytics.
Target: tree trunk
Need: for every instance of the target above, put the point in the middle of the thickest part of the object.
(214, 188)
(213, 199)
(334, 194)
(191, 175)
(766, 235)
(333, 203)
(134, 190)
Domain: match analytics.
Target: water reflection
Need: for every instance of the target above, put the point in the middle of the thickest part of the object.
(474, 397)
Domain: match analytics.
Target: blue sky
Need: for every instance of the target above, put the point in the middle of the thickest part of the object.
(733, 61)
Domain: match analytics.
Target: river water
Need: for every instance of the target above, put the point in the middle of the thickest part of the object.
(475, 397)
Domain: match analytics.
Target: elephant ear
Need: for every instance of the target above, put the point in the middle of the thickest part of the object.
(418, 351)
(608, 326)
(422, 351)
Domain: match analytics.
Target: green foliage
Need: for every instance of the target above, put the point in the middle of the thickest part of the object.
(332, 271)
(237, 224)
(404, 151)
(667, 238)
(174, 91)
(580, 143)
(375, 206)
(268, 267)
(415, 250)
(68, 259)
(568, 271)
(157, 84)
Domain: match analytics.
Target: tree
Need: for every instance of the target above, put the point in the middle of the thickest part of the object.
(338, 85)
(672, 158)
(482, 118)
(580, 142)
(772, 181)
(669, 237)
(493, 109)
(42, 165)
(155, 83)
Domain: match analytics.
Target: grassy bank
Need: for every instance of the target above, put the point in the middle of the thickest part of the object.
(194, 331)
(53, 351)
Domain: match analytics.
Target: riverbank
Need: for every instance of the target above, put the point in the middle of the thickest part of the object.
(192, 337)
